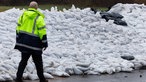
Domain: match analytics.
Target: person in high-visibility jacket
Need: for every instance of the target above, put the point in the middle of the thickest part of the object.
(31, 40)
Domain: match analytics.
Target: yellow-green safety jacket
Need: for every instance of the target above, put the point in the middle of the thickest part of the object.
(31, 31)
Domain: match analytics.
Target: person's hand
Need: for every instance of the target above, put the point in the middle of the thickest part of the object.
(44, 48)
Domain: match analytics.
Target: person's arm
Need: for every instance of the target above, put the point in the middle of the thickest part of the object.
(42, 31)
(19, 23)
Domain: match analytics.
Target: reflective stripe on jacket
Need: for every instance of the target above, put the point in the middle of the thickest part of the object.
(31, 31)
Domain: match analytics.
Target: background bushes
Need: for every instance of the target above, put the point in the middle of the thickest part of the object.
(99, 3)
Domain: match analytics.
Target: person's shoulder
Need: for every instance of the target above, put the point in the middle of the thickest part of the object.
(40, 14)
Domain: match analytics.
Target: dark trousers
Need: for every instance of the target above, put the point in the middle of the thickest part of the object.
(37, 58)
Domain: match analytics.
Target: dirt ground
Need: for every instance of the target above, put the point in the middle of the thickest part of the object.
(135, 76)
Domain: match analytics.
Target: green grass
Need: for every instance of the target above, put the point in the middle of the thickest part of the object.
(3, 8)
(60, 7)
(102, 8)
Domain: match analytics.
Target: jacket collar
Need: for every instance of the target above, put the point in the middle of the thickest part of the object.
(35, 10)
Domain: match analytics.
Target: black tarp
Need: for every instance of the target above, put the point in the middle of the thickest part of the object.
(113, 16)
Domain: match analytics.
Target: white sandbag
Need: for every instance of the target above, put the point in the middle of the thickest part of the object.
(137, 65)
(91, 72)
(49, 70)
(48, 76)
(110, 70)
(77, 71)
(127, 69)
(13, 76)
(30, 66)
(33, 76)
(2, 78)
(3, 69)
(69, 71)
(83, 64)
(25, 75)
(63, 74)
(9, 67)
(83, 69)
(7, 77)
(143, 63)
(118, 69)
